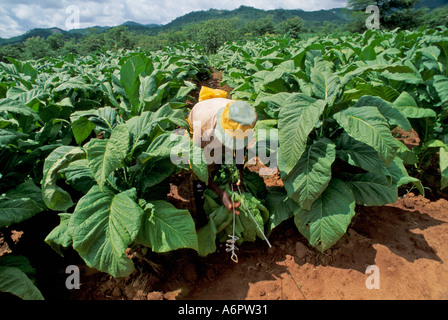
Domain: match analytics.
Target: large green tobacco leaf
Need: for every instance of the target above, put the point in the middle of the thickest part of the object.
(372, 189)
(20, 204)
(152, 102)
(360, 69)
(82, 128)
(326, 85)
(106, 155)
(75, 83)
(406, 104)
(145, 127)
(165, 145)
(78, 175)
(393, 115)
(156, 164)
(280, 207)
(20, 262)
(399, 175)
(220, 226)
(28, 97)
(383, 91)
(368, 125)
(273, 81)
(178, 150)
(329, 217)
(269, 104)
(103, 225)
(253, 215)
(408, 156)
(153, 173)
(198, 162)
(166, 228)
(59, 236)
(23, 67)
(54, 196)
(15, 281)
(143, 130)
(441, 86)
(219, 218)
(368, 53)
(410, 78)
(207, 238)
(430, 57)
(104, 119)
(359, 154)
(311, 175)
(24, 115)
(296, 121)
(130, 72)
(444, 167)
(8, 137)
(16, 273)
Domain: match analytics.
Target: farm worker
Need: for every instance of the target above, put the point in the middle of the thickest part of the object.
(220, 126)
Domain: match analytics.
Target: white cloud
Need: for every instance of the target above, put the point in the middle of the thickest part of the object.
(20, 16)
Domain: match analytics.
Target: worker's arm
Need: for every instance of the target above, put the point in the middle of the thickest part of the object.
(224, 196)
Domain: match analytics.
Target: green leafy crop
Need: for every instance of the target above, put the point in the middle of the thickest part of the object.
(335, 102)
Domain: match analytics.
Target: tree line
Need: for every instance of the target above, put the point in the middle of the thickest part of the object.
(213, 33)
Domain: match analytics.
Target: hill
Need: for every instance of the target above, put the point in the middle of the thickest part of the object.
(46, 32)
(38, 32)
(243, 14)
(432, 4)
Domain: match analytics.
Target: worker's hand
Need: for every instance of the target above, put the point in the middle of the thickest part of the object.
(227, 202)
(225, 198)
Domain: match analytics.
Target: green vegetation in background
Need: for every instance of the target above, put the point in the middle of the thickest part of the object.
(213, 28)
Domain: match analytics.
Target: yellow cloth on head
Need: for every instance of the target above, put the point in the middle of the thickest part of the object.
(209, 93)
(233, 128)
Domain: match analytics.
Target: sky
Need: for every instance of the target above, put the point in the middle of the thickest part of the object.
(19, 16)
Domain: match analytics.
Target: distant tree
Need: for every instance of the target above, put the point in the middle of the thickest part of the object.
(147, 42)
(70, 46)
(176, 36)
(56, 41)
(212, 33)
(293, 27)
(260, 27)
(11, 51)
(437, 17)
(92, 41)
(119, 38)
(393, 13)
(35, 48)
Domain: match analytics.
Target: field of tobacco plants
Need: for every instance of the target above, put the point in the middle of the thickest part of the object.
(89, 140)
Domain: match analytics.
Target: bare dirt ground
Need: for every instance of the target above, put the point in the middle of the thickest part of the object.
(406, 241)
